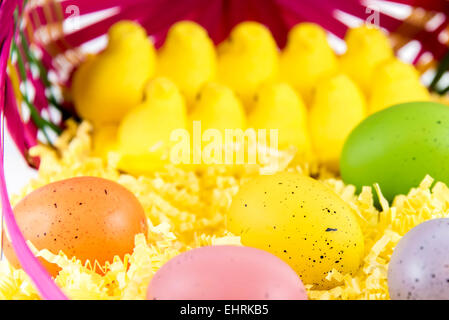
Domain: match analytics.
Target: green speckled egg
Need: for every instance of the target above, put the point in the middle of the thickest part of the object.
(397, 147)
(301, 221)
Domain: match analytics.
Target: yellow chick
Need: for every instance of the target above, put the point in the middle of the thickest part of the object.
(395, 82)
(248, 58)
(338, 107)
(367, 46)
(104, 140)
(307, 58)
(144, 135)
(278, 106)
(187, 58)
(109, 84)
(217, 107)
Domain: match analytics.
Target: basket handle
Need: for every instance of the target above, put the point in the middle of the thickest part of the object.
(40, 277)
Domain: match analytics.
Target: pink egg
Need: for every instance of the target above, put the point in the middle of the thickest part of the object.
(226, 273)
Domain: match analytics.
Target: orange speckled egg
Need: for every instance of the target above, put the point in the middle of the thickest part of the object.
(86, 217)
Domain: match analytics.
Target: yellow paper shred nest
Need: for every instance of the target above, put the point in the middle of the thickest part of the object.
(186, 210)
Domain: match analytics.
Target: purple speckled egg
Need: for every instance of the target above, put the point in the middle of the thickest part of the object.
(419, 266)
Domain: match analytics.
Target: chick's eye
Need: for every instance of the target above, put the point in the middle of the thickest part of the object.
(198, 96)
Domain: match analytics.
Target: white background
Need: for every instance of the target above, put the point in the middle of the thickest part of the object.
(17, 171)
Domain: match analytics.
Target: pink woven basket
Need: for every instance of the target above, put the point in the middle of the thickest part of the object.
(42, 42)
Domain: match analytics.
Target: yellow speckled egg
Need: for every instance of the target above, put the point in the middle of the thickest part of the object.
(300, 220)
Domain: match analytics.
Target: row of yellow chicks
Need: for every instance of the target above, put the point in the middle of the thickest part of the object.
(136, 96)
